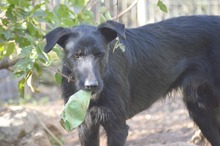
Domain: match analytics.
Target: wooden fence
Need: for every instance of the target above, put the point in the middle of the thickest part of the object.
(146, 11)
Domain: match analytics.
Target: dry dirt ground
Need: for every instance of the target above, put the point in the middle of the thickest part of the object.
(166, 123)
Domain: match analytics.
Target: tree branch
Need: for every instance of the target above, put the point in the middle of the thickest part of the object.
(126, 10)
(5, 63)
(69, 78)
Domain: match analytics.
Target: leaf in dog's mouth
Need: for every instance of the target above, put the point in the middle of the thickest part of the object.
(75, 110)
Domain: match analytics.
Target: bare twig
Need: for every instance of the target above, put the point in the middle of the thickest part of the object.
(89, 5)
(93, 3)
(48, 130)
(117, 9)
(6, 63)
(69, 78)
(126, 10)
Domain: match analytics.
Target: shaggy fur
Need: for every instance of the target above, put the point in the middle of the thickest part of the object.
(178, 53)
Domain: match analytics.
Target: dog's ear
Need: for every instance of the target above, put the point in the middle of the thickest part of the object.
(111, 29)
(55, 36)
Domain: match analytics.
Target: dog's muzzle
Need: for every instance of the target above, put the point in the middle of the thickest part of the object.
(91, 85)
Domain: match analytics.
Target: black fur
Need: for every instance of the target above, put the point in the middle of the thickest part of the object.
(179, 53)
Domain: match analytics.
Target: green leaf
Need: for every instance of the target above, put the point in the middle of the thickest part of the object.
(2, 47)
(58, 52)
(9, 48)
(39, 13)
(13, 2)
(108, 15)
(105, 14)
(102, 18)
(49, 16)
(7, 34)
(79, 3)
(162, 6)
(23, 66)
(26, 51)
(23, 42)
(24, 3)
(31, 28)
(63, 10)
(75, 110)
(103, 9)
(66, 22)
(58, 78)
(30, 39)
(118, 45)
(37, 7)
(21, 84)
(31, 82)
(10, 13)
(5, 22)
(38, 68)
(41, 55)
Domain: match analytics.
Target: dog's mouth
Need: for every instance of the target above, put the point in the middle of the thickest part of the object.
(95, 94)
(94, 91)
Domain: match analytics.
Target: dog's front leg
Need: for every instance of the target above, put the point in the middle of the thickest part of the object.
(117, 132)
(89, 135)
(89, 130)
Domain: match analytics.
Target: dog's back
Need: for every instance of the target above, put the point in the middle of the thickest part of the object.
(159, 57)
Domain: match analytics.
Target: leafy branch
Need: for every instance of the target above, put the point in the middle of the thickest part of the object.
(23, 23)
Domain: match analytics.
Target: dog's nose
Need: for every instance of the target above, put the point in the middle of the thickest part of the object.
(91, 85)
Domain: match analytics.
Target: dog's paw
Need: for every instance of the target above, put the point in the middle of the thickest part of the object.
(199, 139)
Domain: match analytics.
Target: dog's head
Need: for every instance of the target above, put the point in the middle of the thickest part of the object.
(85, 51)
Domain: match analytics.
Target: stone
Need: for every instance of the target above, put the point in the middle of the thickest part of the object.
(25, 127)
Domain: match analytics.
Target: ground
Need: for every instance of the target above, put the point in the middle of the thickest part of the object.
(166, 123)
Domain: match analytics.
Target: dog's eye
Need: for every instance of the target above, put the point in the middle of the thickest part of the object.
(78, 54)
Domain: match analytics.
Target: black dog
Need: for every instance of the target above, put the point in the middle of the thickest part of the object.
(179, 53)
